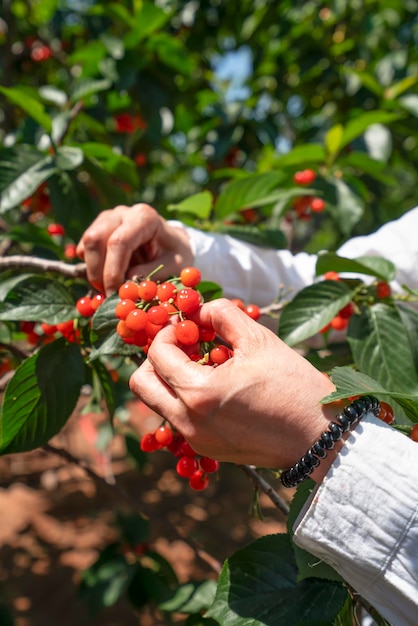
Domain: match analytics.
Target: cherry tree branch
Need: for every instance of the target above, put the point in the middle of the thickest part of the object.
(265, 487)
(18, 261)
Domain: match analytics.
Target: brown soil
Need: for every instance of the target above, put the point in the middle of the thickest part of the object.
(55, 519)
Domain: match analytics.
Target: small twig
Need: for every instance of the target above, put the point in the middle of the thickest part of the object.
(265, 487)
(45, 265)
(141, 508)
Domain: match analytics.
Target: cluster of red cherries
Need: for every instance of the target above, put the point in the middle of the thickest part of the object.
(305, 205)
(143, 309)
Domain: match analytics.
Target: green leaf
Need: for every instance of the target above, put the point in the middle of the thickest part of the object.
(22, 169)
(116, 164)
(244, 192)
(356, 127)
(146, 21)
(103, 584)
(257, 235)
(367, 165)
(36, 298)
(308, 154)
(380, 347)
(107, 386)
(199, 205)
(370, 265)
(333, 139)
(69, 157)
(87, 87)
(104, 337)
(312, 309)
(350, 382)
(41, 397)
(258, 586)
(190, 598)
(309, 566)
(396, 89)
(347, 208)
(32, 107)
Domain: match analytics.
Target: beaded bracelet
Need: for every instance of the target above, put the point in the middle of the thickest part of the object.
(344, 421)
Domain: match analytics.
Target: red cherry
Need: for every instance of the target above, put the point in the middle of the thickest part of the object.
(164, 435)
(347, 311)
(157, 315)
(136, 319)
(186, 466)
(331, 275)
(186, 449)
(253, 311)
(188, 300)
(149, 443)
(187, 332)
(128, 291)
(208, 465)
(190, 276)
(165, 291)
(304, 177)
(386, 413)
(383, 290)
(414, 433)
(97, 300)
(48, 329)
(219, 354)
(147, 290)
(70, 251)
(56, 229)
(317, 205)
(84, 306)
(199, 481)
(123, 308)
(339, 323)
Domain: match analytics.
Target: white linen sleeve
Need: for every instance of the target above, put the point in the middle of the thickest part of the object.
(363, 519)
(256, 274)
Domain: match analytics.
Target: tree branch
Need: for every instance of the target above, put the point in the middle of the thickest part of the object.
(265, 487)
(45, 265)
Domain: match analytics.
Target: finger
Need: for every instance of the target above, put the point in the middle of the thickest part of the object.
(230, 323)
(140, 225)
(92, 246)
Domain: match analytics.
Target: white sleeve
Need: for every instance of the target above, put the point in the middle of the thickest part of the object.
(363, 519)
(256, 274)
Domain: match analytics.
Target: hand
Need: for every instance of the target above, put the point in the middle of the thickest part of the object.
(260, 407)
(128, 241)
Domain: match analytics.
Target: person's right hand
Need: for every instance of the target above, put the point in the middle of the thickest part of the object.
(128, 241)
(261, 407)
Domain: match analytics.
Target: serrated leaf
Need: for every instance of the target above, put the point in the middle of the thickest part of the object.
(41, 396)
(104, 338)
(312, 309)
(350, 382)
(36, 298)
(32, 107)
(348, 208)
(369, 265)
(258, 586)
(22, 170)
(380, 347)
(244, 192)
(199, 205)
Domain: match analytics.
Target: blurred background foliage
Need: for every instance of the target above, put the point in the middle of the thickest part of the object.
(120, 102)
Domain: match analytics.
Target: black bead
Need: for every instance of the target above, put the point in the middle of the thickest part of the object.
(344, 421)
(335, 430)
(327, 440)
(312, 459)
(352, 413)
(319, 449)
